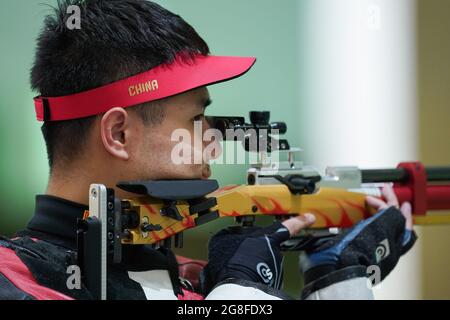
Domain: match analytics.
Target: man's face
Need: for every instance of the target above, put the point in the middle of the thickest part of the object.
(153, 158)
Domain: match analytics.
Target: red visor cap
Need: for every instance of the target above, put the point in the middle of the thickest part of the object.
(160, 82)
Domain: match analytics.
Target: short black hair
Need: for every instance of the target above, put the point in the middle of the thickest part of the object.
(117, 39)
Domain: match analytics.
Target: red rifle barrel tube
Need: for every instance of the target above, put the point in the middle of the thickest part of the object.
(438, 196)
(423, 187)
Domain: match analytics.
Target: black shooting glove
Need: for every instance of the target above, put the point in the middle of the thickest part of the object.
(378, 241)
(251, 254)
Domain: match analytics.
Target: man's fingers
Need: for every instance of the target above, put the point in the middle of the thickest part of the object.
(296, 224)
(391, 198)
(376, 203)
(407, 213)
(389, 195)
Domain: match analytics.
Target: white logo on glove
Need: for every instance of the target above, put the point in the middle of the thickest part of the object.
(264, 272)
(382, 251)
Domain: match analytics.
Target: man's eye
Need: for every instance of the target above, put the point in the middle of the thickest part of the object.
(199, 117)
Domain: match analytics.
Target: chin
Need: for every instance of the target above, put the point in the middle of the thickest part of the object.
(206, 174)
(187, 173)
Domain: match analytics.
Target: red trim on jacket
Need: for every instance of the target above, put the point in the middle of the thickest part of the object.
(189, 295)
(18, 274)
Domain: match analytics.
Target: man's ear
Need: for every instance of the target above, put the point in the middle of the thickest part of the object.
(113, 128)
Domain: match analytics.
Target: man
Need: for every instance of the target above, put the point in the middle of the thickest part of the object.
(111, 94)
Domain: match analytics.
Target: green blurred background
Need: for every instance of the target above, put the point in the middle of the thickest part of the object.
(266, 29)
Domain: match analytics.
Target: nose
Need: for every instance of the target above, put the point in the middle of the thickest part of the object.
(213, 143)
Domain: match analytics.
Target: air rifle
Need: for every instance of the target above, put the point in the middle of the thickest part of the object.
(163, 210)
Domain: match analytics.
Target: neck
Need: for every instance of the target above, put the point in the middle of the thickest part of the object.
(70, 186)
(74, 185)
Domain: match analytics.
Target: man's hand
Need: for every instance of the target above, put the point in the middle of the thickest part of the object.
(252, 255)
(378, 241)
(391, 201)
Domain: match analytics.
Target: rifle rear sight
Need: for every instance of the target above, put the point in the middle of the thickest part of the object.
(260, 129)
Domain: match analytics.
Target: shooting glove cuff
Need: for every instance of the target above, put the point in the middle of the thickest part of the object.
(252, 255)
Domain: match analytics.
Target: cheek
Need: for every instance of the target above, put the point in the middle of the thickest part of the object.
(155, 159)
(157, 148)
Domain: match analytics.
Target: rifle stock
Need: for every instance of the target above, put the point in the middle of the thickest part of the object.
(333, 208)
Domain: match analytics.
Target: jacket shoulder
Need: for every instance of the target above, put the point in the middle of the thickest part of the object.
(16, 280)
